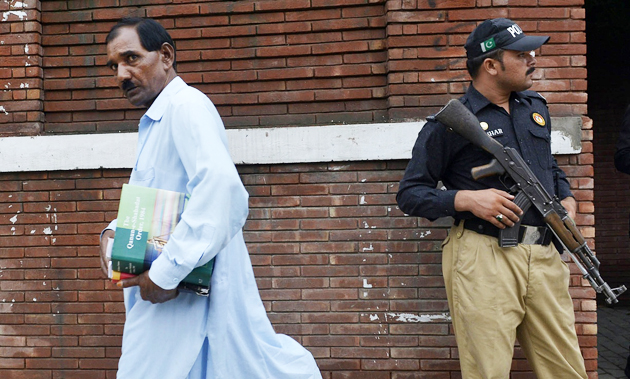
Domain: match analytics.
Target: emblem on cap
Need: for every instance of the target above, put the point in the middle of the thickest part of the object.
(539, 119)
(488, 45)
(484, 125)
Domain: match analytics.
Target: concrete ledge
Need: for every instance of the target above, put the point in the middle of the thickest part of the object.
(331, 143)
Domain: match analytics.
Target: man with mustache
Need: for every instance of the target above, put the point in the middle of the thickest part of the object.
(498, 294)
(182, 147)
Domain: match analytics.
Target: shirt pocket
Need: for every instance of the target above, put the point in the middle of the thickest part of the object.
(541, 143)
(143, 178)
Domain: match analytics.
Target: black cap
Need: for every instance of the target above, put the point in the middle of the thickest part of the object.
(500, 33)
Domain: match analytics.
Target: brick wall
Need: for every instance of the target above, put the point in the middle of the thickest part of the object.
(339, 267)
(21, 73)
(265, 63)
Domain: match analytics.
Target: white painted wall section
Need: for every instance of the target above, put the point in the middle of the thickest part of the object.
(331, 143)
(324, 143)
(67, 152)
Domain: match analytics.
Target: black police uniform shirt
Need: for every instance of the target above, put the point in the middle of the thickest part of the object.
(443, 155)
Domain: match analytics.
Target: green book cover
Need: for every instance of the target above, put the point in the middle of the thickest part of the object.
(146, 219)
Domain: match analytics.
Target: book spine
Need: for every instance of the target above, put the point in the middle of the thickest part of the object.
(118, 276)
(128, 266)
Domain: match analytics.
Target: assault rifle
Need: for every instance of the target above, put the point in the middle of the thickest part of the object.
(529, 192)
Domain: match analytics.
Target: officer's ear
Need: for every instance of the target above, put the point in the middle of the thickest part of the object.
(491, 66)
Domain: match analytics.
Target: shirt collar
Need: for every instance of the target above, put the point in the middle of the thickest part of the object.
(157, 109)
(478, 101)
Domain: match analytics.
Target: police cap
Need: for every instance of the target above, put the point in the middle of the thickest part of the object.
(500, 33)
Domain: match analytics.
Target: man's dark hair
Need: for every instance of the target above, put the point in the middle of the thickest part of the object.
(151, 33)
(473, 65)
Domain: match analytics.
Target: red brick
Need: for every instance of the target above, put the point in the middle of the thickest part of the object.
(341, 24)
(286, 73)
(258, 18)
(24, 352)
(226, 7)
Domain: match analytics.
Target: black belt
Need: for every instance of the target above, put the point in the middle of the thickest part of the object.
(527, 234)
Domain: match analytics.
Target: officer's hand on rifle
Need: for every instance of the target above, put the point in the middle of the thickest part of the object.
(492, 205)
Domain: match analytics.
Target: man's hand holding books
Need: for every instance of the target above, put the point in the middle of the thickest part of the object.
(149, 291)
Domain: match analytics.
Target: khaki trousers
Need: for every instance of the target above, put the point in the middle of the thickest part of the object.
(496, 295)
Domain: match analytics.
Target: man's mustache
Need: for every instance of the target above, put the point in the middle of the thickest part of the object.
(530, 70)
(127, 85)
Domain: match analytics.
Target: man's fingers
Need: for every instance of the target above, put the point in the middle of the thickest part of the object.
(510, 215)
(504, 194)
(165, 296)
(149, 291)
(506, 216)
(513, 209)
(508, 203)
(130, 282)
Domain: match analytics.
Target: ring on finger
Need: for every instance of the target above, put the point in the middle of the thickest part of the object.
(499, 217)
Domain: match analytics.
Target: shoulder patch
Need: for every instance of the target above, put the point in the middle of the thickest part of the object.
(539, 119)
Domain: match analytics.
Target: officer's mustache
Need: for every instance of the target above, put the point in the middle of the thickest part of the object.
(530, 70)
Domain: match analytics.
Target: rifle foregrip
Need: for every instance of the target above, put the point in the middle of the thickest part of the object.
(565, 235)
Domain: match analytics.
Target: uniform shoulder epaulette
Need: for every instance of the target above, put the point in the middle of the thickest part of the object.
(535, 95)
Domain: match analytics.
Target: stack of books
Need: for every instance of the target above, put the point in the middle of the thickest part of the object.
(146, 219)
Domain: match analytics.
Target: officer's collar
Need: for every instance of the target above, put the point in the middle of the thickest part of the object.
(478, 101)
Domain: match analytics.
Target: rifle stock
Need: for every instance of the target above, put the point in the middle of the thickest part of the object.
(457, 117)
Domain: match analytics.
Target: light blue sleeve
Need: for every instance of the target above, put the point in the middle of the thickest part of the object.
(218, 206)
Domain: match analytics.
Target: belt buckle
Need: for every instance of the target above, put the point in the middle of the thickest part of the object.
(532, 235)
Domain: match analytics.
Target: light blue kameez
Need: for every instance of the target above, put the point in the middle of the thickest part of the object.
(182, 147)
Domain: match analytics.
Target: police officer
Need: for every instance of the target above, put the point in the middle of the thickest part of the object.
(496, 294)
